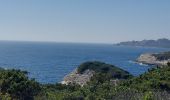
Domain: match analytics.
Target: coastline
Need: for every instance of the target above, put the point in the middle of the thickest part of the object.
(77, 78)
(151, 59)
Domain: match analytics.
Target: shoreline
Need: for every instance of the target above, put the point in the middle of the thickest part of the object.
(151, 60)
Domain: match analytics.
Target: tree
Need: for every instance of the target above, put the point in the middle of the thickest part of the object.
(18, 85)
(168, 63)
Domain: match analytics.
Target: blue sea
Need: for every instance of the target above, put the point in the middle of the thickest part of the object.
(50, 62)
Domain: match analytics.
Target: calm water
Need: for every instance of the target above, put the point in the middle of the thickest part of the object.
(50, 62)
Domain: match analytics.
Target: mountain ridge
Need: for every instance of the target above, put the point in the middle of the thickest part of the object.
(162, 42)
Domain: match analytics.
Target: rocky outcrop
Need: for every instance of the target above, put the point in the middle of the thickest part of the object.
(77, 78)
(151, 59)
(87, 70)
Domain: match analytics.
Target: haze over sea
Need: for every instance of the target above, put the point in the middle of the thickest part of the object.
(50, 62)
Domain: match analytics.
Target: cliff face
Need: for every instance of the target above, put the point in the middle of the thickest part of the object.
(152, 59)
(77, 78)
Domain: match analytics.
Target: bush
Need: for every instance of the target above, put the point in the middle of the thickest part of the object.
(18, 85)
(148, 96)
(168, 64)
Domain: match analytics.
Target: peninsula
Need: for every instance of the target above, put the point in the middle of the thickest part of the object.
(162, 58)
(163, 43)
(86, 71)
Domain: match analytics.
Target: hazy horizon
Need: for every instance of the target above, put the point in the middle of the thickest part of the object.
(90, 21)
(75, 42)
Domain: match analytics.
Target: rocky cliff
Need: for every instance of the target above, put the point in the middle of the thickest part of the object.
(152, 59)
(78, 78)
(89, 71)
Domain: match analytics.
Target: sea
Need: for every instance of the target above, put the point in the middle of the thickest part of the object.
(49, 62)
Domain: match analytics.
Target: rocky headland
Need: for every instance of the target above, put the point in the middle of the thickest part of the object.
(163, 43)
(89, 71)
(78, 78)
(154, 58)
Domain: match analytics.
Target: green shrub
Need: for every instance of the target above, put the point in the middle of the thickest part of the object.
(18, 85)
(148, 96)
(168, 64)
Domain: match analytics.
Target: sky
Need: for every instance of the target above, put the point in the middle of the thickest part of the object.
(87, 21)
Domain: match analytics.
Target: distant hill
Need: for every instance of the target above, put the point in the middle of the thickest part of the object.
(165, 43)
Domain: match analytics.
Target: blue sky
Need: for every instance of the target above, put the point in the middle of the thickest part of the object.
(92, 21)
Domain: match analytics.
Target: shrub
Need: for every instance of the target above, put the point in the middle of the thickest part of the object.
(168, 64)
(18, 85)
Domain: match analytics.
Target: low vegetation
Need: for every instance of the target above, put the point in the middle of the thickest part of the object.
(15, 84)
(100, 67)
(152, 85)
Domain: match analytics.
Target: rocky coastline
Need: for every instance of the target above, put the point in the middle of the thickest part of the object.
(78, 78)
(94, 70)
(152, 59)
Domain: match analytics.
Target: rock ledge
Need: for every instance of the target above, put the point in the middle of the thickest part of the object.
(76, 78)
(150, 59)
